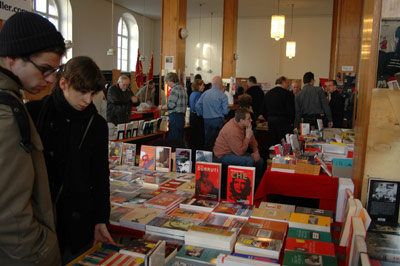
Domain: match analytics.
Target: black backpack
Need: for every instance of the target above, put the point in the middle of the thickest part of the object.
(21, 116)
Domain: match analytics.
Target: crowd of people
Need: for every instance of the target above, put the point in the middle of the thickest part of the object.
(54, 152)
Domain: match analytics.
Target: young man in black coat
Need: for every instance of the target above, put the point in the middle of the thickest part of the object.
(336, 104)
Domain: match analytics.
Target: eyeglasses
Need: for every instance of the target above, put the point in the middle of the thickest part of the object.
(46, 71)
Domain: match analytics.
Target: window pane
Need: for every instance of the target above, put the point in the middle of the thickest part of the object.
(120, 26)
(125, 43)
(124, 54)
(124, 66)
(119, 42)
(119, 64)
(124, 29)
(40, 5)
(53, 8)
(54, 21)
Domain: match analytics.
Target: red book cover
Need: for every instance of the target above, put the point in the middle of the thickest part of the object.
(240, 184)
(147, 157)
(208, 181)
(163, 200)
(310, 246)
(172, 184)
(267, 224)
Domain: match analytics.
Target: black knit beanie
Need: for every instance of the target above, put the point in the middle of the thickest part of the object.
(25, 33)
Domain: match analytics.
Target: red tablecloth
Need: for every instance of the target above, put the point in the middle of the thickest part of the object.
(322, 187)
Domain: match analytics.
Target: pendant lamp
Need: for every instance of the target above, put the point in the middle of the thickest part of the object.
(291, 45)
(277, 26)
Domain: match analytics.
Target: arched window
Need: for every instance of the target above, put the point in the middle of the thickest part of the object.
(123, 45)
(49, 10)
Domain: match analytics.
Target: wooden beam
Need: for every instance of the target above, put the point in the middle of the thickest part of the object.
(229, 40)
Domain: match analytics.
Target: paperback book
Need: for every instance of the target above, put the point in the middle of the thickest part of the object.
(199, 216)
(174, 227)
(163, 159)
(172, 184)
(194, 255)
(183, 161)
(271, 214)
(233, 209)
(310, 246)
(224, 222)
(267, 224)
(114, 153)
(259, 232)
(209, 237)
(310, 222)
(313, 211)
(240, 184)
(294, 258)
(208, 181)
(309, 235)
(203, 156)
(278, 206)
(138, 218)
(258, 246)
(199, 204)
(147, 157)
(128, 154)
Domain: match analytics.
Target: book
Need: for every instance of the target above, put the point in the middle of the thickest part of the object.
(117, 212)
(345, 232)
(322, 164)
(310, 222)
(255, 258)
(383, 200)
(150, 182)
(224, 222)
(163, 159)
(258, 246)
(309, 235)
(278, 206)
(114, 153)
(120, 198)
(342, 197)
(140, 248)
(208, 181)
(240, 184)
(204, 156)
(385, 247)
(294, 258)
(164, 201)
(271, 214)
(268, 225)
(172, 184)
(233, 209)
(198, 255)
(360, 247)
(244, 260)
(304, 129)
(147, 157)
(259, 232)
(175, 227)
(313, 211)
(190, 214)
(210, 237)
(138, 218)
(183, 160)
(310, 246)
(199, 204)
(187, 187)
(128, 154)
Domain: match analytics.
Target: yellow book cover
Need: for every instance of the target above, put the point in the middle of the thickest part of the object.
(310, 219)
(211, 230)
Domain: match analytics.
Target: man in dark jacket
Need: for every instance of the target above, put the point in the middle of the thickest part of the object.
(278, 109)
(336, 104)
(120, 100)
(256, 94)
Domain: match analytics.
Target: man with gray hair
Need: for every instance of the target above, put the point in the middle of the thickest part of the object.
(213, 106)
(120, 100)
(30, 54)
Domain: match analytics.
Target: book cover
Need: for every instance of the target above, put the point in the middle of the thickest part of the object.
(163, 159)
(163, 201)
(122, 259)
(259, 232)
(342, 197)
(240, 184)
(310, 246)
(322, 164)
(278, 206)
(271, 214)
(128, 154)
(311, 222)
(203, 156)
(117, 212)
(138, 248)
(183, 161)
(120, 175)
(357, 229)
(211, 232)
(385, 247)
(119, 198)
(224, 222)
(172, 184)
(190, 214)
(383, 200)
(313, 211)
(258, 246)
(267, 224)
(151, 182)
(208, 181)
(188, 187)
(193, 254)
(293, 258)
(234, 209)
(114, 153)
(345, 232)
(310, 235)
(147, 157)
(199, 204)
(139, 217)
(251, 257)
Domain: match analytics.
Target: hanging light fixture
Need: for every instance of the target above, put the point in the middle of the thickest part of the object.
(277, 26)
(110, 51)
(198, 68)
(68, 42)
(210, 70)
(291, 45)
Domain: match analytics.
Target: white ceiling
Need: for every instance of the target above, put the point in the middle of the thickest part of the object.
(247, 8)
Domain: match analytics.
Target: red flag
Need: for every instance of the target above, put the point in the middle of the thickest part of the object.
(150, 73)
(139, 71)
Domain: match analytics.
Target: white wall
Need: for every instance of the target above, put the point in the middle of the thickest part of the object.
(198, 53)
(265, 58)
(92, 33)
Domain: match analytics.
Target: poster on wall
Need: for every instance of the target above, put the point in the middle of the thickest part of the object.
(10, 7)
(169, 62)
(389, 52)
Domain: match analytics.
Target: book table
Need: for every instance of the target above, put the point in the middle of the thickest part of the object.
(321, 187)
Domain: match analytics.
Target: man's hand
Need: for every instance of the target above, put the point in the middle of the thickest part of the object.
(330, 124)
(256, 156)
(101, 234)
(134, 99)
(249, 132)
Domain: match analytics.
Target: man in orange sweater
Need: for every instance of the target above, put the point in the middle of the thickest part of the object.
(234, 140)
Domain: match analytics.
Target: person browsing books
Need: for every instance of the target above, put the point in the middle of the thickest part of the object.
(75, 140)
(233, 141)
(30, 54)
(195, 120)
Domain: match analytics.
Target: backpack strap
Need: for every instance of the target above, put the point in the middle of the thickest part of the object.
(21, 116)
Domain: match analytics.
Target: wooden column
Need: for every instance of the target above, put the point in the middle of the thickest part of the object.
(229, 40)
(173, 19)
(367, 81)
(346, 35)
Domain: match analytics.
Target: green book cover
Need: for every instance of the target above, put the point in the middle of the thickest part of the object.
(310, 234)
(191, 254)
(301, 258)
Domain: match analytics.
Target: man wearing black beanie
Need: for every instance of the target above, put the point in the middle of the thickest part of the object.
(30, 54)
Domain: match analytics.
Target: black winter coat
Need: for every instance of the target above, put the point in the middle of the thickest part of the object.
(79, 177)
(119, 105)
